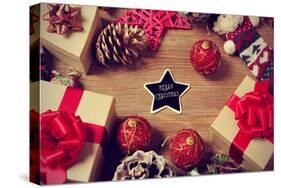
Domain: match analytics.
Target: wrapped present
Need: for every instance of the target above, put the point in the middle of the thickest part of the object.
(74, 126)
(244, 128)
(68, 32)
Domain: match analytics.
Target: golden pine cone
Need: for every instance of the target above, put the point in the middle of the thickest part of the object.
(120, 44)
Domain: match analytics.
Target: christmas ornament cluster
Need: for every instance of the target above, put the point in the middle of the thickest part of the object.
(134, 135)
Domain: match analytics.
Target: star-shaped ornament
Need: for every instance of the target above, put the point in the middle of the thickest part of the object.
(62, 18)
(166, 93)
(155, 22)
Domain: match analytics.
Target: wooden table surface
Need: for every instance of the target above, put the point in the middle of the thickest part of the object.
(201, 104)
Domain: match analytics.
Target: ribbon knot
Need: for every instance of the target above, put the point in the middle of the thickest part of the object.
(254, 113)
(62, 138)
(254, 116)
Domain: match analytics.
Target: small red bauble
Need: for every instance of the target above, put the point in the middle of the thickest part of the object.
(134, 134)
(205, 57)
(186, 148)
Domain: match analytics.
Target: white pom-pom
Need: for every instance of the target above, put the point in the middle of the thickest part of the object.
(254, 20)
(229, 47)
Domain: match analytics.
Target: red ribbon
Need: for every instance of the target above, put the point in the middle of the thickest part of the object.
(34, 147)
(63, 135)
(254, 115)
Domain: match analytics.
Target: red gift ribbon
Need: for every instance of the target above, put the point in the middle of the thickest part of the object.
(34, 147)
(254, 116)
(63, 135)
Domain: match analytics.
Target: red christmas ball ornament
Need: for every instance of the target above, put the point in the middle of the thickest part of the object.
(205, 57)
(134, 134)
(186, 148)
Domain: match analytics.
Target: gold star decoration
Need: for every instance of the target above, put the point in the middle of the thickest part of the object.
(62, 18)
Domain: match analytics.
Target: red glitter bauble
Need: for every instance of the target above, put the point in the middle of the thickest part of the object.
(186, 148)
(205, 57)
(134, 134)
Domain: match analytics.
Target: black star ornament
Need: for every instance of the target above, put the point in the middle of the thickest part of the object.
(166, 93)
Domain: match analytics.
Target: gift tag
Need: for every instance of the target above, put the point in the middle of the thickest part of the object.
(166, 93)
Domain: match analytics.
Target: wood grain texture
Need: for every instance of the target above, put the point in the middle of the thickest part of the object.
(201, 104)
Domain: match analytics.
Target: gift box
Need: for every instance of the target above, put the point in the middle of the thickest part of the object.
(80, 122)
(73, 47)
(244, 128)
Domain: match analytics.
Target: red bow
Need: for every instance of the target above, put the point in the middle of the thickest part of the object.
(34, 147)
(254, 113)
(62, 138)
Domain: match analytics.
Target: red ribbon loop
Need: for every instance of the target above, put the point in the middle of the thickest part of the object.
(254, 115)
(34, 146)
(62, 138)
(253, 112)
(63, 135)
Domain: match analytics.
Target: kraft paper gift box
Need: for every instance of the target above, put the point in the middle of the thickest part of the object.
(73, 48)
(93, 109)
(258, 152)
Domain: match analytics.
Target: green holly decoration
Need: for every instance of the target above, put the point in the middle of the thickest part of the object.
(220, 158)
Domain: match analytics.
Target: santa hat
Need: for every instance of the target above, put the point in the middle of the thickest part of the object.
(247, 24)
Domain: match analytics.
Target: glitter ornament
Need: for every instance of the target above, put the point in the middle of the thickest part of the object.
(186, 148)
(205, 57)
(134, 134)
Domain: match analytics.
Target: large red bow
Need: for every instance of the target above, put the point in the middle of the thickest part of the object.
(34, 147)
(254, 113)
(62, 138)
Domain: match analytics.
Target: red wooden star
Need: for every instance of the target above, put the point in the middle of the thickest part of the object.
(62, 18)
(155, 22)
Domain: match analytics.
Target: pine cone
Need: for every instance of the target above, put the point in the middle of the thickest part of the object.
(143, 165)
(120, 44)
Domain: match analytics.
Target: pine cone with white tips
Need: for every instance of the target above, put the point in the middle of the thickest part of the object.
(120, 44)
(142, 165)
